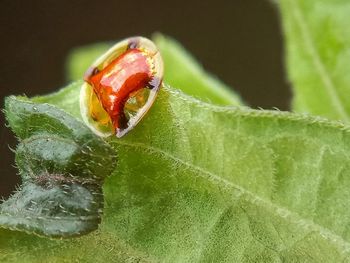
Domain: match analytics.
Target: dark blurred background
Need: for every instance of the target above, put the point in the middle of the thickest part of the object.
(240, 41)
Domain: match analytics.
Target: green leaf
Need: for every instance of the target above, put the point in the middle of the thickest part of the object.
(203, 183)
(70, 95)
(181, 71)
(62, 164)
(318, 43)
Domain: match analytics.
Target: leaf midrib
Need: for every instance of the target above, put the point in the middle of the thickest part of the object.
(308, 225)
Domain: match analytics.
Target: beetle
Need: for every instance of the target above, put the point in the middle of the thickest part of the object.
(120, 87)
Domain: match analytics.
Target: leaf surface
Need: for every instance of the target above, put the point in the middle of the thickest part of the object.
(201, 183)
(62, 165)
(318, 55)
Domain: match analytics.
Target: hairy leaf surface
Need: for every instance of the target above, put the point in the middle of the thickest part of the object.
(202, 183)
(62, 165)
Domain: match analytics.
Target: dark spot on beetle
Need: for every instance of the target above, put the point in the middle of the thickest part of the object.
(154, 83)
(133, 43)
(91, 72)
(122, 120)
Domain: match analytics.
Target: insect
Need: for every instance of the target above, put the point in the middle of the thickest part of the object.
(121, 86)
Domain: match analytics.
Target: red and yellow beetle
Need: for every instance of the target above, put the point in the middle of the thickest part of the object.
(121, 86)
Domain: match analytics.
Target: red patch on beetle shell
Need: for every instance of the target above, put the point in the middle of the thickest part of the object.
(113, 85)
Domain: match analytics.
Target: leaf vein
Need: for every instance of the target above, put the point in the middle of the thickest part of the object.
(318, 63)
(307, 225)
